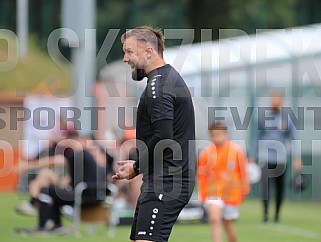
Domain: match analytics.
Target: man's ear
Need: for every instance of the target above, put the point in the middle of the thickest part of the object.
(149, 52)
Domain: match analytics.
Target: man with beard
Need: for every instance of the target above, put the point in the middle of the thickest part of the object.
(165, 126)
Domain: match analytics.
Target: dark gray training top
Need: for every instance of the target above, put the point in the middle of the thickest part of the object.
(165, 133)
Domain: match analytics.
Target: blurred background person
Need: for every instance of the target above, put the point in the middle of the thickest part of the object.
(47, 144)
(275, 130)
(102, 155)
(84, 163)
(222, 181)
(27, 179)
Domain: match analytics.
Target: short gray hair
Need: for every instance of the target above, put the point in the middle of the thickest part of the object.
(147, 34)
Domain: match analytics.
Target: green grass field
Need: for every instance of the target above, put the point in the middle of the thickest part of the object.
(300, 222)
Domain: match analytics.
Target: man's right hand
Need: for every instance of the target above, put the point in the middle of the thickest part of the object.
(125, 171)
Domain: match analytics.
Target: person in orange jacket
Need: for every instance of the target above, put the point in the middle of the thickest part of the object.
(222, 181)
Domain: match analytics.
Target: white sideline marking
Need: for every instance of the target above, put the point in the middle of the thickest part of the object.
(293, 231)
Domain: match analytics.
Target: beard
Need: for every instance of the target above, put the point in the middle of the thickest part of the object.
(138, 74)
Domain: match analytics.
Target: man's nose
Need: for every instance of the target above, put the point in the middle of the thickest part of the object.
(125, 59)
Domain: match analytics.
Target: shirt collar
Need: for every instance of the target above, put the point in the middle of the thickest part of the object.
(157, 72)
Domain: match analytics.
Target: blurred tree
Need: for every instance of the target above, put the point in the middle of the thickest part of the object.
(208, 14)
(125, 14)
(309, 11)
(110, 15)
(8, 14)
(250, 15)
(247, 15)
(44, 17)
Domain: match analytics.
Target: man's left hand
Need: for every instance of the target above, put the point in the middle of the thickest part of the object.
(125, 171)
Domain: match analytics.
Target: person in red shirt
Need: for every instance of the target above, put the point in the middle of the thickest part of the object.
(222, 181)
